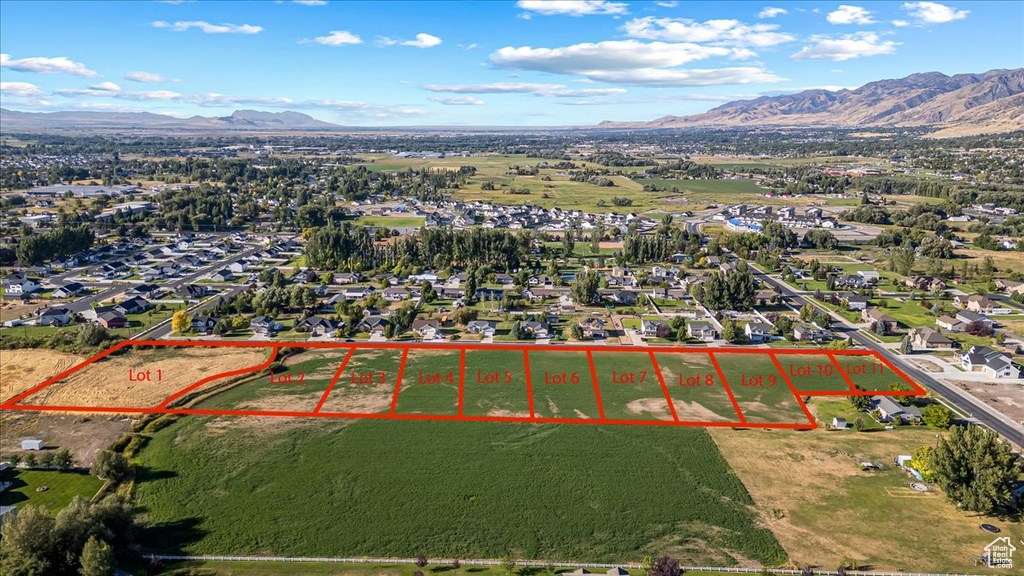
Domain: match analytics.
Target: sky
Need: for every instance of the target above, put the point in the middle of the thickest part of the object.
(525, 63)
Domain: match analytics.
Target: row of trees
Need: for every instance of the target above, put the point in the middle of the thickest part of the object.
(62, 241)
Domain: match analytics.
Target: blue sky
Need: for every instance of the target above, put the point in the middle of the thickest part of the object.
(526, 63)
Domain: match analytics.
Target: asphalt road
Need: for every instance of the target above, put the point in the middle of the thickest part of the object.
(978, 410)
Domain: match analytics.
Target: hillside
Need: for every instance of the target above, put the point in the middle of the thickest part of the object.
(964, 103)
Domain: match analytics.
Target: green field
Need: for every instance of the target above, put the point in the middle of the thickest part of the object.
(430, 383)
(696, 390)
(815, 372)
(454, 489)
(367, 385)
(562, 385)
(390, 221)
(62, 487)
(630, 389)
(760, 390)
(495, 384)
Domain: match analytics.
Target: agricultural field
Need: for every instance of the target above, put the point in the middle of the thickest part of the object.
(760, 390)
(457, 489)
(495, 384)
(20, 370)
(142, 377)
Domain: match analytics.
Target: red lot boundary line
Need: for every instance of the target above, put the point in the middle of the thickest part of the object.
(334, 380)
(250, 369)
(462, 377)
(529, 383)
(664, 388)
(597, 388)
(792, 389)
(721, 376)
(853, 389)
(398, 380)
(163, 408)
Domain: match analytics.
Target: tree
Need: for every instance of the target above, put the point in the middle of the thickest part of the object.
(730, 331)
(665, 566)
(28, 544)
(110, 465)
(421, 561)
(975, 469)
(905, 346)
(860, 403)
(938, 416)
(901, 260)
(427, 293)
(181, 322)
(569, 240)
(902, 398)
(576, 331)
(62, 460)
(91, 335)
(921, 461)
(46, 460)
(584, 288)
(646, 566)
(97, 558)
(859, 425)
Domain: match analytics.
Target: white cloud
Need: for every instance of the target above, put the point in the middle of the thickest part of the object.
(573, 7)
(845, 47)
(721, 32)
(668, 4)
(42, 65)
(423, 40)
(338, 38)
(676, 77)
(148, 77)
(933, 12)
(208, 28)
(900, 23)
(608, 55)
(311, 2)
(106, 86)
(459, 101)
(557, 90)
(771, 12)
(20, 89)
(847, 14)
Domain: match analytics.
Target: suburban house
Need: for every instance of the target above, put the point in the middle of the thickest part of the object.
(318, 326)
(924, 283)
(263, 326)
(112, 319)
(758, 331)
(347, 277)
(970, 317)
(593, 328)
(396, 293)
(855, 301)
(701, 331)
(810, 333)
(203, 324)
(949, 324)
(68, 290)
(136, 305)
(654, 329)
(223, 275)
(876, 316)
(1010, 286)
(925, 338)
(373, 324)
(981, 304)
(535, 329)
(53, 316)
(191, 291)
(988, 361)
(427, 329)
(891, 409)
(483, 327)
(19, 284)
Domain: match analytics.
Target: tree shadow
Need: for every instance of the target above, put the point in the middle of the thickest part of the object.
(171, 537)
(147, 473)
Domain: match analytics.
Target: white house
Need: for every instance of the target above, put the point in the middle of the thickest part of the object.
(988, 361)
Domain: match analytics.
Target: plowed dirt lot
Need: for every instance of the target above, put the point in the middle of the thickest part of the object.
(23, 369)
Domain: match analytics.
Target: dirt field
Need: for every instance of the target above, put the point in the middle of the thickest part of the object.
(23, 369)
(1005, 396)
(810, 490)
(114, 380)
(82, 435)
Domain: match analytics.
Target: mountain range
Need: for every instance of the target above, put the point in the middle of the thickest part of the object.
(960, 104)
(951, 105)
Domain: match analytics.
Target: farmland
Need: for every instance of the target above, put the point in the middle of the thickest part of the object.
(460, 489)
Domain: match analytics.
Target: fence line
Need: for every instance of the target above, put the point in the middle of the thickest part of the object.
(444, 561)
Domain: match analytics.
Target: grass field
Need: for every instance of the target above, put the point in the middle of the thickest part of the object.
(630, 389)
(696, 390)
(562, 385)
(330, 569)
(430, 383)
(62, 487)
(812, 493)
(760, 390)
(367, 384)
(458, 489)
(495, 384)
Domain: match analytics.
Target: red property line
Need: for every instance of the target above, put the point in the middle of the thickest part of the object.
(597, 389)
(721, 376)
(398, 380)
(334, 380)
(664, 388)
(249, 370)
(529, 384)
(843, 372)
(792, 389)
(462, 377)
(13, 403)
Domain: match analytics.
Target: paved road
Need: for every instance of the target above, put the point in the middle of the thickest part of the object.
(967, 404)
